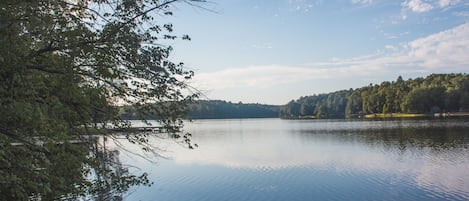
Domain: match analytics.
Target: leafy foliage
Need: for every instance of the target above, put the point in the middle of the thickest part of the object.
(435, 93)
(330, 105)
(65, 67)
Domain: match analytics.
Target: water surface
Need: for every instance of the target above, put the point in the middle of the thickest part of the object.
(273, 159)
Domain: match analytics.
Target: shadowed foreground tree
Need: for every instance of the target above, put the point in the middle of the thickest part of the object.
(65, 67)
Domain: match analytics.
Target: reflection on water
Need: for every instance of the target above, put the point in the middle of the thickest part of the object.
(272, 159)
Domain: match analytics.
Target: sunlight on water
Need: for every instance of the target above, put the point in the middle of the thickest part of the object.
(273, 159)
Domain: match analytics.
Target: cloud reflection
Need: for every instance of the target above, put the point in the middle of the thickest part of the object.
(278, 147)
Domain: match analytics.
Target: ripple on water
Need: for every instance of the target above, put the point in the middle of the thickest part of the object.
(337, 161)
(302, 183)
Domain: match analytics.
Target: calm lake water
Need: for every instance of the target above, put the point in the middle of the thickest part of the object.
(273, 159)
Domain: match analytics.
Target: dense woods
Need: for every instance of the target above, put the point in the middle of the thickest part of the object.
(217, 109)
(221, 110)
(436, 93)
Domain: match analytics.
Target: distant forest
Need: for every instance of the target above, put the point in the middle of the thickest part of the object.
(433, 94)
(218, 109)
(436, 93)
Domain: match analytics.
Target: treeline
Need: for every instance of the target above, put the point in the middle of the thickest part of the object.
(216, 109)
(432, 94)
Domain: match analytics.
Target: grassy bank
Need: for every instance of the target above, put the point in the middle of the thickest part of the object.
(396, 115)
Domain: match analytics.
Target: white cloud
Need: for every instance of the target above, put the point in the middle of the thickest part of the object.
(390, 47)
(262, 46)
(362, 1)
(447, 49)
(446, 3)
(421, 6)
(462, 13)
(272, 75)
(304, 5)
(441, 52)
(417, 6)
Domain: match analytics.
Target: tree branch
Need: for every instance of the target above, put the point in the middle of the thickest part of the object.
(45, 69)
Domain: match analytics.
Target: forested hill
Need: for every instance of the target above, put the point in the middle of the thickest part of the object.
(432, 94)
(217, 109)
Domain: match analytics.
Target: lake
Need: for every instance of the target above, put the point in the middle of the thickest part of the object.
(274, 159)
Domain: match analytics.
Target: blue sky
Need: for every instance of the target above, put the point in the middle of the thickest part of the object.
(273, 51)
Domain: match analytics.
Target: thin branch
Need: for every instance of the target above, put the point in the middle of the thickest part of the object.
(53, 49)
(87, 8)
(45, 69)
(160, 6)
(201, 7)
(15, 137)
